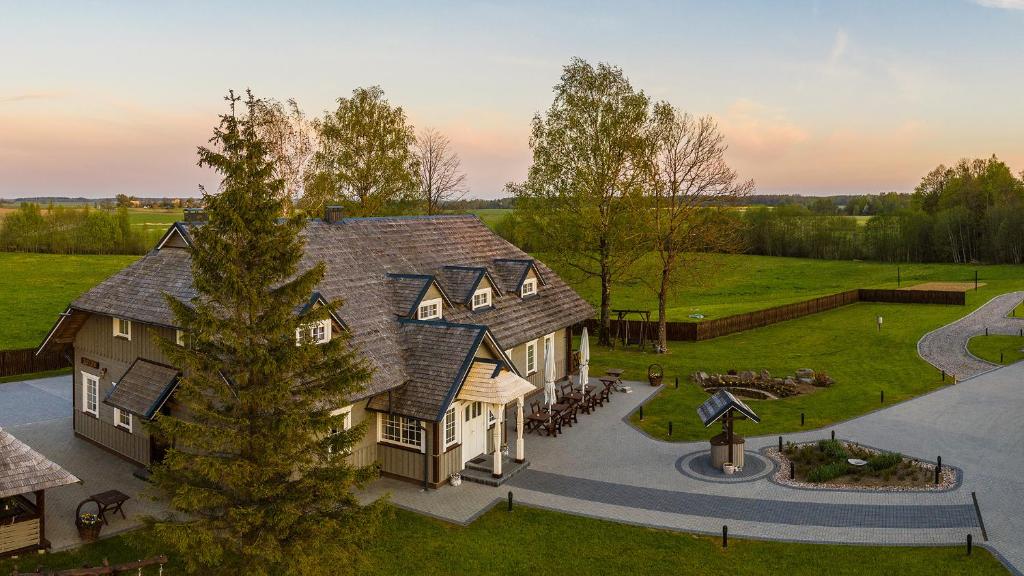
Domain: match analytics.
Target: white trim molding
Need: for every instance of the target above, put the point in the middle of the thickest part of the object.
(119, 423)
(482, 298)
(122, 328)
(429, 309)
(91, 381)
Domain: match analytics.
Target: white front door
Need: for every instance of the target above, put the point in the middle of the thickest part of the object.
(474, 432)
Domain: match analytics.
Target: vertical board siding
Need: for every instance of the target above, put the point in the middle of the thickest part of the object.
(450, 463)
(19, 535)
(708, 329)
(25, 361)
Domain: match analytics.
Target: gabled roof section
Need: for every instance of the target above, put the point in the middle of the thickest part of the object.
(177, 236)
(719, 404)
(460, 282)
(23, 470)
(513, 272)
(408, 290)
(317, 299)
(69, 322)
(143, 388)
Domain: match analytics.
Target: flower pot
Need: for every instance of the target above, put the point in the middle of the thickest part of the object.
(729, 468)
(654, 380)
(89, 533)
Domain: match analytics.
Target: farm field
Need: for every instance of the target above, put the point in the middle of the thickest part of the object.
(413, 544)
(718, 285)
(844, 342)
(492, 216)
(997, 348)
(34, 288)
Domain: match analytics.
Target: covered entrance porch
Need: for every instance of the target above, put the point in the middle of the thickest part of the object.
(486, 392)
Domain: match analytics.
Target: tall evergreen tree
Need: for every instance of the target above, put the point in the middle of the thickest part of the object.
(257, 480)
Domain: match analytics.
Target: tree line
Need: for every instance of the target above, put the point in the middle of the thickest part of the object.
(970, 212)
(65, 230)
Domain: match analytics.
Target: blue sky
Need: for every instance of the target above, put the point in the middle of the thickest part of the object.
(98, 98)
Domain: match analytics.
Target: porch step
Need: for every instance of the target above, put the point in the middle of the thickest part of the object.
(478, 470)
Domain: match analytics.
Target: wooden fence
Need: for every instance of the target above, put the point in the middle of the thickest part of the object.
(708, 329)
(25, 361)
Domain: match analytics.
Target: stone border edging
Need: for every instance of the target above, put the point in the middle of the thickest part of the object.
(771, 467)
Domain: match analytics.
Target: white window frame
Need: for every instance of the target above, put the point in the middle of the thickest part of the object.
(86, 380)
(532, 283)
(307, 333)
(451, 420)
(532, 345)
(346, 424)
(427, 304)
(485, 301)
(179, 337)
(403, 425)
(127, 334)
(117, 420)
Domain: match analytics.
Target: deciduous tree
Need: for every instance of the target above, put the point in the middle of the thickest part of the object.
(292, 141)
(441, 178)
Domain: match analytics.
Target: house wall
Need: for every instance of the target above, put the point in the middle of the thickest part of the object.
(405, 462)
(518, 356)
(95, 341)
(364, 452)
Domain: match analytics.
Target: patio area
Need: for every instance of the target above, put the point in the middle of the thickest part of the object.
(38, 413)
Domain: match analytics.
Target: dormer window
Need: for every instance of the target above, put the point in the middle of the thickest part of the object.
(529, 287)
(122, 328)
(482, 298)
(316, 333)
(429, 309)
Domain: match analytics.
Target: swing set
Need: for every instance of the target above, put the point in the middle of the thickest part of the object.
(632, 332)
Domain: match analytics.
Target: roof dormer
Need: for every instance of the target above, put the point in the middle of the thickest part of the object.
(418, 296)
(519, 276)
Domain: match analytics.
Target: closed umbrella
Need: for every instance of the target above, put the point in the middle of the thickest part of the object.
(584, 360)
(550, 395)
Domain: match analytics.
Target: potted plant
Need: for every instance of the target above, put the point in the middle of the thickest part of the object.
(89, 525)
(654, 374)
(455, 479)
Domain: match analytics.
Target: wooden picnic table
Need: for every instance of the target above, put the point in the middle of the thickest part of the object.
(615, 373)
(110, 501)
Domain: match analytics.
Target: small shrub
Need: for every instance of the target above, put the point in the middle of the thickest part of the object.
(884, 460)
(822, 379)
(827, 472)
(834, 449)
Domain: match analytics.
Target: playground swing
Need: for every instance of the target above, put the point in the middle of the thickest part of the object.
(626, 333)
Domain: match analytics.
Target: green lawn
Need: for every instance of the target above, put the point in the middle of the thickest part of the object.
(844, 342)
(530, 541)
(153, 222)
(34, 288)
(492, 216)
(718, 285)
(1018, 312)
(990, 347)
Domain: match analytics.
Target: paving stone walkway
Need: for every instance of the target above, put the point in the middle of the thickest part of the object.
(946, 347)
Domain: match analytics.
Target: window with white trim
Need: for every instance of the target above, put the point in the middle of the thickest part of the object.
(529, 287)
(482, 298)
(179, 337)
(531, 357)
(449, 427)
(346, 424)
(90, 394)
(473, 410)
(315, 333)
(429, 309)
(123, 419)
(401, 430)
(123, 328)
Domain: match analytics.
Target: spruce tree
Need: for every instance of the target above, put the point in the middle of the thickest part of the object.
(256, 483)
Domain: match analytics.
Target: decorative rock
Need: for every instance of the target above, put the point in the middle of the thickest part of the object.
(747, 377)
(804, 373)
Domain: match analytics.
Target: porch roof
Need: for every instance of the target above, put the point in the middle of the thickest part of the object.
(23, 470)
(488, 382)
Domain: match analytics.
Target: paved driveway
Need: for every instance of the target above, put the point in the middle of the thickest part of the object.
(946, 347)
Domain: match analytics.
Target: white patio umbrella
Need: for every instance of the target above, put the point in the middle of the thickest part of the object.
(550, 395)
(584, 360)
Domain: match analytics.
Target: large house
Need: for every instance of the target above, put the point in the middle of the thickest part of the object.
(453, 319)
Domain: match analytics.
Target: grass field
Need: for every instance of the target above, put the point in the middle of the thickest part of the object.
(492, 216)
(720, 285)
(843, 342)
(34, 288)
(528, 540)
(990, 347)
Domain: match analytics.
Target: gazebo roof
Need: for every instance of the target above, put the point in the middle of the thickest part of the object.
(23, 470)
(488, 382)
(720, 404)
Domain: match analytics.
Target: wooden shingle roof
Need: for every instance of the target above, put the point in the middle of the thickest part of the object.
(143, 388)
(23, 470)
(362, 257)
(719, 404)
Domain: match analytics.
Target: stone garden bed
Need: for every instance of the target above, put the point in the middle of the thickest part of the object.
(762, 385)
(827, 465)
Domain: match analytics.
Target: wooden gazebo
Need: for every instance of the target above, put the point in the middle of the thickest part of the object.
(24, 471)
(726, 447)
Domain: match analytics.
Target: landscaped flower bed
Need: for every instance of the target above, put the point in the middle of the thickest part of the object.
(827, 464)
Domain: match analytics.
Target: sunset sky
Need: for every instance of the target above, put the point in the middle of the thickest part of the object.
(99, 98)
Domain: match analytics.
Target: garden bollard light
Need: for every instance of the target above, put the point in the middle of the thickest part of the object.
(986, 330)
(677, 382)
(669, 427)
(509, 500)
(792, 470)
(943, 375)
(938, 469)
(780, 443)
(883, 397)
(1000, 357)
(833, 434)
(970, 544)
(801, 418)
(725, 536)
(641, 412)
